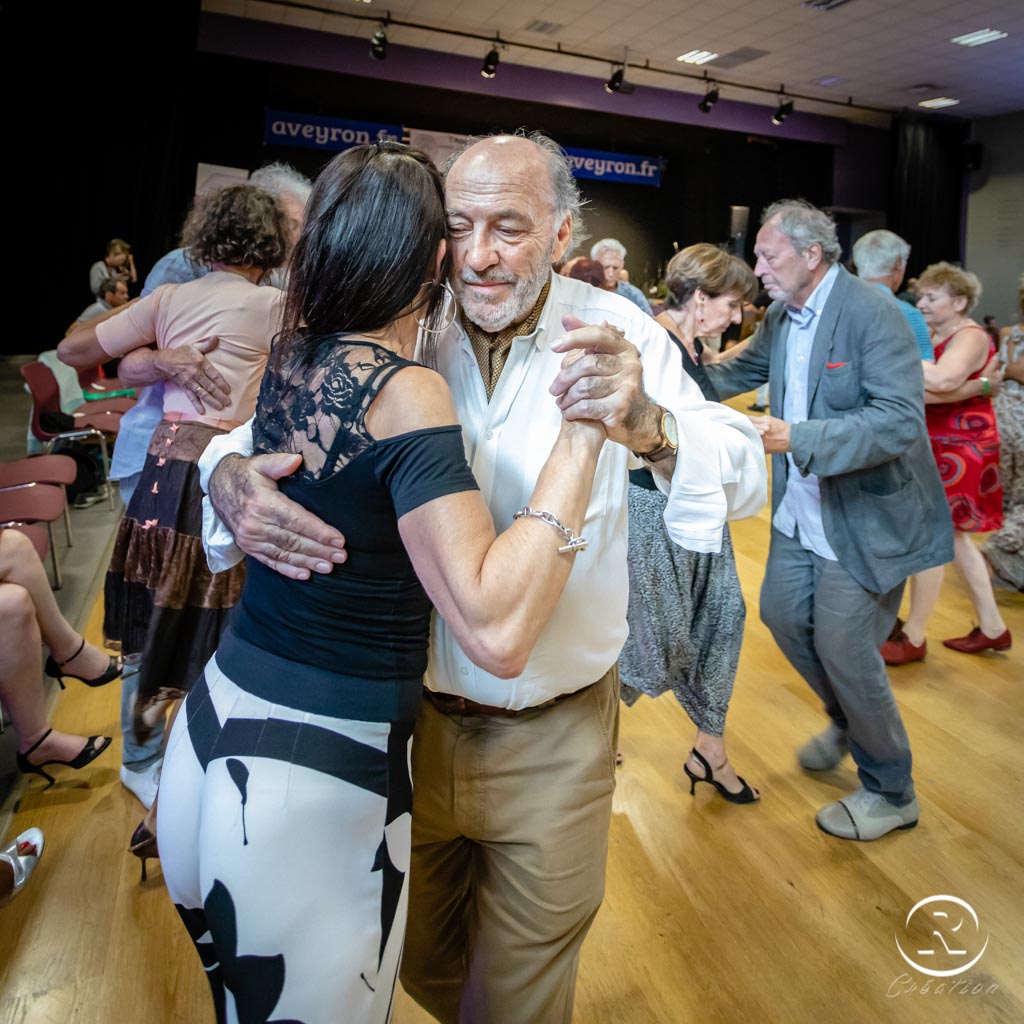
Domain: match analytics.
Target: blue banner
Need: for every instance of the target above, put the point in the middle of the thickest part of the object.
(624, 167)
(328, 133)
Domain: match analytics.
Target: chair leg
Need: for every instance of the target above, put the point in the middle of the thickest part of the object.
(106, 470)
(67, 522)
(57, 581)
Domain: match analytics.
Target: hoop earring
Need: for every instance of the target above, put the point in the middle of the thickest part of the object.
(454, 308)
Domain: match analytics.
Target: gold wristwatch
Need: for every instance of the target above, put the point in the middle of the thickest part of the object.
(668, 443)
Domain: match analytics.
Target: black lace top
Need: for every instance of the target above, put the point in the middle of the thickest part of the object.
(366, 624)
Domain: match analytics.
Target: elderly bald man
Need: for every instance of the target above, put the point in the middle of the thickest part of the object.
(513, 778)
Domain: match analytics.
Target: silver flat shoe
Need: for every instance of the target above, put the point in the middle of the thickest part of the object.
(865, 816)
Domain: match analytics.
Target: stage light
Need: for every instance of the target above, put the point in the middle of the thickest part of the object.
(783, 110)
(379, 45)
(490, 68)
(710, 99)
(617, 82)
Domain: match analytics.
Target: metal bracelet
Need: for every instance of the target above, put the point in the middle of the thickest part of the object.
(572, 542)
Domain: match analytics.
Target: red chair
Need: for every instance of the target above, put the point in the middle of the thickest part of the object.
(41, 469)
(94, 419)
(35, 503)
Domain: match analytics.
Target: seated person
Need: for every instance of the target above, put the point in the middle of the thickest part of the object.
(29, 612)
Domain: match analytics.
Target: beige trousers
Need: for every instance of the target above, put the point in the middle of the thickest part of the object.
(509, 843)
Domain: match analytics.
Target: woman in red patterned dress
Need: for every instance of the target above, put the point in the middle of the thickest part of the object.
(965, 440)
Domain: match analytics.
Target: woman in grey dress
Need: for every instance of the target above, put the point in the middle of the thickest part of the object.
(686, 609)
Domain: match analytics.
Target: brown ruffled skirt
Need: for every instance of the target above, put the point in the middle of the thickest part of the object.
(161, 598)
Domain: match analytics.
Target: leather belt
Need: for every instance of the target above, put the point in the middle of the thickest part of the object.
(451, 704)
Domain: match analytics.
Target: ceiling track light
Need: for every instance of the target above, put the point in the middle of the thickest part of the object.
(710, 98)
(490, 66)
(784, 109)
(617, 82)
(379, 43)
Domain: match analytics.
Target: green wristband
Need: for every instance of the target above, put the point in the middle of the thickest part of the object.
(986, 388)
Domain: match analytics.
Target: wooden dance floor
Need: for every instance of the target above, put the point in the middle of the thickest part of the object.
(714, 913)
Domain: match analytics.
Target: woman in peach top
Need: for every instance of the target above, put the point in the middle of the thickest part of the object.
(161, 598)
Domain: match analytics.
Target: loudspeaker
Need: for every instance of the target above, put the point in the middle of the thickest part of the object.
(972, 155)
(739, 217)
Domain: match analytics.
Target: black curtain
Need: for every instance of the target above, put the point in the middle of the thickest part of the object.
(103, 151)
(927, 195)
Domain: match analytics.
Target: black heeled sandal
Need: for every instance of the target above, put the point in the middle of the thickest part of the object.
(55, 669)
(86, 755)
(744, 796)
(143, 845)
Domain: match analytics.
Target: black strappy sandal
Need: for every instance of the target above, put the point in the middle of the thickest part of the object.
(55, 669)
(86, 755)
(745, 796)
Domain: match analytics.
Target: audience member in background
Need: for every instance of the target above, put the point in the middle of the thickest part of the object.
(611, 253)
(188, 368)
(881, 258)
(587, 270)
(118, 262)
(992, 329)
(18, 859)
(686, 609)
(857, 504)
(909, 293)
(1005, 550)
(161, 600)
(28, 614)
(113, 294)
(965, 442)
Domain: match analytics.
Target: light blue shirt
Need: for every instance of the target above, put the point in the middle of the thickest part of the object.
(801, 504)
(139, 422)
(631, 292)
(918, 325)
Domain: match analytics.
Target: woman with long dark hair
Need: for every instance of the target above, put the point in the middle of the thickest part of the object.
(286, 798)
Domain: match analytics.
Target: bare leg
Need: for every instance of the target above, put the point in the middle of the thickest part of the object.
(925, 588)
(20, 682)
(713, 750)
(975, 573)
(20, 564)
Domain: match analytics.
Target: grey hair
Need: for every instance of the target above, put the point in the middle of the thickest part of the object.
(607, 243)
(804, 225)
(568, 201)
(281, 178)
(879, 253)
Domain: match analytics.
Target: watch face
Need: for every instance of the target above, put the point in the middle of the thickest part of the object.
(671, 429)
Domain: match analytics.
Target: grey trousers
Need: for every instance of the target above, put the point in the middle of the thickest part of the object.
(830, 629)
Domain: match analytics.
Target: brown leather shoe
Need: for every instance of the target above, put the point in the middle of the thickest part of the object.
(975, 642)
(898, 650)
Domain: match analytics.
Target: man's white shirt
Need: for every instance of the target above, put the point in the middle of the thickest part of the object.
(720, 474)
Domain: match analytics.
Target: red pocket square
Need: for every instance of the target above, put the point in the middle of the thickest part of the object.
(833, 366)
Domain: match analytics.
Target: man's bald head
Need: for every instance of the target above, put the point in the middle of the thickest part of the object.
(506, 228)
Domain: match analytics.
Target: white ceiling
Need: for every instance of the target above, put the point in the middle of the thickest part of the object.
(880, 48)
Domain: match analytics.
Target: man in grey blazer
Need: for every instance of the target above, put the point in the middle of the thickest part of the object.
(857, 503)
